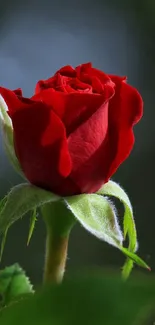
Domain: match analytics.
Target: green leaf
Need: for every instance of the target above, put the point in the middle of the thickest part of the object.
(32, 225)
(90, 299)
(21, 199)
(7, 132)
(97, 215)
(113, 189)
(14, 284)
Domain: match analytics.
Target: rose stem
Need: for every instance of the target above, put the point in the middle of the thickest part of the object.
(59, 222)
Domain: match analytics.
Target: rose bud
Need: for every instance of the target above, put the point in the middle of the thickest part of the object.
(74, 132)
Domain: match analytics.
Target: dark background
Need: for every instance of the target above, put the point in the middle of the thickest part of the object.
(36, 39)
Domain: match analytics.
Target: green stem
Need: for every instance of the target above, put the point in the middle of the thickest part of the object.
(59, 222)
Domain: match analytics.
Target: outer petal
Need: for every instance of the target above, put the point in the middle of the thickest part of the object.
(125, 110)
(87, 147)
(74, 108)
(40, 142)
(41, 146)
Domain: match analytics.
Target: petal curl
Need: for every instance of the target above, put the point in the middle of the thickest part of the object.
(18, 92)
(14, 100)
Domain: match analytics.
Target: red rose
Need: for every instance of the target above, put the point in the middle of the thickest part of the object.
(73, 134)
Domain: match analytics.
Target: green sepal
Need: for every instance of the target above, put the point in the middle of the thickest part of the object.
(114, 190)
(3, 242)
(136, 259)
(7, 133)
(20, 200)
(97, 215)
(129, 228)
(33, 220)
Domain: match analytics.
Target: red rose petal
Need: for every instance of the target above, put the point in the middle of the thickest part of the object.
(11, 100)
(14, 100)
(85, 147)
(40, 141)
(67, 71)
(125, 110)
(45, 84)
(74, 108)
(86, 72)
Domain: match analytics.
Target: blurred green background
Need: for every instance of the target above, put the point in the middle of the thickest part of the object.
(39, 36)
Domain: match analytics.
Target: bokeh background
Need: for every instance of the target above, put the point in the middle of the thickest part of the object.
(37, 37)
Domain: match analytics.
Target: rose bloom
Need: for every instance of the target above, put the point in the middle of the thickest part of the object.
(72, 135)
